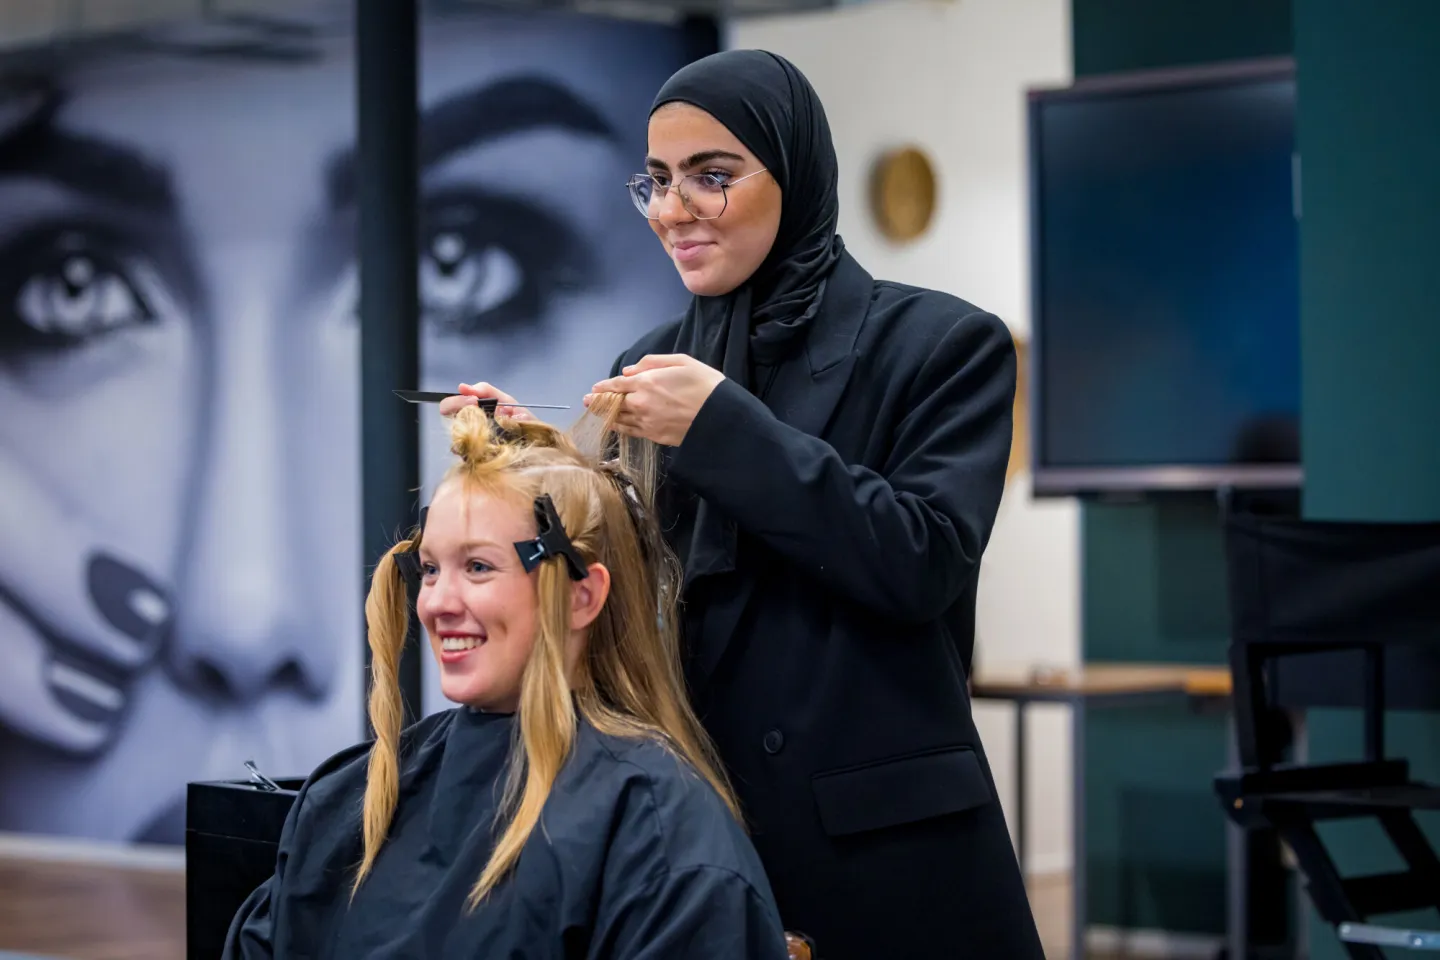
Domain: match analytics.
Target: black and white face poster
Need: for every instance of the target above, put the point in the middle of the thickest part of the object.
(181, 583)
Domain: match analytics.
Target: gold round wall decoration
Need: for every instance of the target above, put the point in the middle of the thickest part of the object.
(902, 193)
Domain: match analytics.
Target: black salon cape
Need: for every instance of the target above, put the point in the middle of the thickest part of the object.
(636, 858)
(829, 659)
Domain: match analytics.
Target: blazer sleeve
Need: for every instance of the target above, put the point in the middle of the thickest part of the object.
(904, 541)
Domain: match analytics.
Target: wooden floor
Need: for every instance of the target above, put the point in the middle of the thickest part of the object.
(1050, 902)
(82, 912)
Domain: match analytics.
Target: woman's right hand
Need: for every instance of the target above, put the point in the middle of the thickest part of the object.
(483, 391)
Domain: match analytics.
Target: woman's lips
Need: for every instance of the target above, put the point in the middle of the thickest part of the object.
(455, 647)
(689, 250)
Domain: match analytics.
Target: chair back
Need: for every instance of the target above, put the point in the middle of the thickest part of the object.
(1331, 614)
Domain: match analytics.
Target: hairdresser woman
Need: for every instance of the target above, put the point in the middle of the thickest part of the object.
(836, 452)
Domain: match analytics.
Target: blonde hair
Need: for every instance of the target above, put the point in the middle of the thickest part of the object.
(628, 683)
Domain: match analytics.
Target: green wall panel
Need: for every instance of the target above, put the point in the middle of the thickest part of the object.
(1152, 576)
(1153, 580)
(1370, 282)
(1113, 35)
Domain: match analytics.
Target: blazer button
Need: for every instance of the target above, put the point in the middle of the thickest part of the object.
(774, 742)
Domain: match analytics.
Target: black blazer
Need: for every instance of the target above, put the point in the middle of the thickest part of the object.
(830, 663)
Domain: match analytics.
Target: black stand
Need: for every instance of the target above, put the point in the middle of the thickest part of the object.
(232, 835)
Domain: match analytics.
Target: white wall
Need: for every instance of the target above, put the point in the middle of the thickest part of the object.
(950, 76)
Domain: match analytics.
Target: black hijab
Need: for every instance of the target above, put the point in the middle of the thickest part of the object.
(771, 108)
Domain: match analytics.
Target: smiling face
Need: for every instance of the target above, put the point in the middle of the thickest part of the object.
(480, 607)
(713, 256)
(477, 602)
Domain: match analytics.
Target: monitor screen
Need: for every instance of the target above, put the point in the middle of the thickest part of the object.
(1166, 283)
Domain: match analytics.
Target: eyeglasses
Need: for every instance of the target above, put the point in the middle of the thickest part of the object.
(704, 195)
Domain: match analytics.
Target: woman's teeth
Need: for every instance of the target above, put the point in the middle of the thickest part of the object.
(457, 644)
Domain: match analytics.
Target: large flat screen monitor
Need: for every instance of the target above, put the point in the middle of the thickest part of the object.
(1165, 271)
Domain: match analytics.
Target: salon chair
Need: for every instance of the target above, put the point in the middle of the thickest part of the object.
(232, 835)
(1336, 615)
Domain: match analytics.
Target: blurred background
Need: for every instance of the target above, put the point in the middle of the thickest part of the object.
(1201, 317)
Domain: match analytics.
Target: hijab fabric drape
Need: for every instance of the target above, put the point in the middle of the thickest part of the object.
(774, 111)
(771, 108)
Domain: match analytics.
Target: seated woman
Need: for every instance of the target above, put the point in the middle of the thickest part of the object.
(570, 806)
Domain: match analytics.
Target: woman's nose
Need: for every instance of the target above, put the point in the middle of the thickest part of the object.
(250, 620)
(438, 600)
(672, 208)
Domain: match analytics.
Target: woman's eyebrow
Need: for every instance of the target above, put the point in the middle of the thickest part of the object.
(473, 117)
(104, 171)
(695, 160)
(469, 545)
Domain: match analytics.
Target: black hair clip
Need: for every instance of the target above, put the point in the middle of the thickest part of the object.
(627, 486)
(553, 541)
(408, 561)
(634, 505)
(505, 434)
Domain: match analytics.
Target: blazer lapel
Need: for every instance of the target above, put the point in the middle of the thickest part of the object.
(715, 553)
(805, 396)
(808, 403)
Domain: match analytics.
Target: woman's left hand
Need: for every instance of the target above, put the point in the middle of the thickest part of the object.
(663, 393)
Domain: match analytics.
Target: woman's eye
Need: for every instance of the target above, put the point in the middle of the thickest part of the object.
(714, 180)
(488, 262)
(457, 281)
(62, 290)
(477, 566)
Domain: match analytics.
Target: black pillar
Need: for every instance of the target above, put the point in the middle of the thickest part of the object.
(387, 91)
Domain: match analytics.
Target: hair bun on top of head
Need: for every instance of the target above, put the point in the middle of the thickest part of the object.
(492, 445)
(477, 437)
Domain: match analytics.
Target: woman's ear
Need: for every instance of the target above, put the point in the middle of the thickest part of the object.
(588, 596)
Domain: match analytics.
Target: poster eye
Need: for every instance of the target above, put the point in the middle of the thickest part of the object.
(62, 288)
